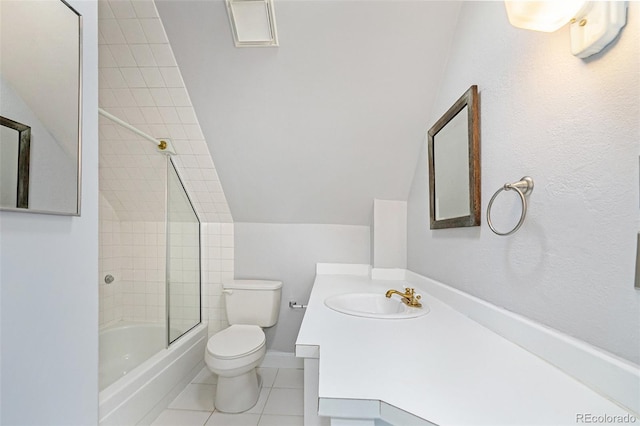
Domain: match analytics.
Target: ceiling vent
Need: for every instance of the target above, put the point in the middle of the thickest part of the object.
(253, 23)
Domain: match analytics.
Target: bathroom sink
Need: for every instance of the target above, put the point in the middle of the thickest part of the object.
(373, 305)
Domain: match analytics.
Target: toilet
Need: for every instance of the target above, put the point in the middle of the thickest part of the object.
(235, 352)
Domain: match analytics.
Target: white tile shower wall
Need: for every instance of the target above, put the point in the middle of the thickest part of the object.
(134, 253)
(184, 275)
(140, 82)
(143, 250)
(217, 267)
(110, 305)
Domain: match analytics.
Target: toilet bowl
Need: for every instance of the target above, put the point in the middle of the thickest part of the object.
(235, 352)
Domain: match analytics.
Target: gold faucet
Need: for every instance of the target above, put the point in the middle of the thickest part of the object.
(409, 297)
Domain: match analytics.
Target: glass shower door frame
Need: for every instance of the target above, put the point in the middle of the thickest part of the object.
(173, 169)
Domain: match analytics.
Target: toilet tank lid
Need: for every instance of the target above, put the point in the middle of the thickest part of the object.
(251, 285)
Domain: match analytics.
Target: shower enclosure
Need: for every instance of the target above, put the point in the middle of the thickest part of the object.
(183, 259)
(150, 283)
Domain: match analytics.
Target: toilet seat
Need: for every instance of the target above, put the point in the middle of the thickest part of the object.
(236, 341)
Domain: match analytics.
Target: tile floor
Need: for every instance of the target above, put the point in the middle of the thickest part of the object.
(279, 404)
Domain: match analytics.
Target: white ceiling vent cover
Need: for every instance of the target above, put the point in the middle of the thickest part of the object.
(252, 22)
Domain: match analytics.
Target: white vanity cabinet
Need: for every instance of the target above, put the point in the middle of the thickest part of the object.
(441, 368)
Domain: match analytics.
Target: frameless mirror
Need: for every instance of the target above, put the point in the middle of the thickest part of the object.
(40, 88)
(454, 165)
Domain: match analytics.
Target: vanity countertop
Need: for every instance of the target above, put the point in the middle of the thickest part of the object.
(442, 367)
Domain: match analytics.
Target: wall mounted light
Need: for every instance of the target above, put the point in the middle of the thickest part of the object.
(594, 24)
(253, 23)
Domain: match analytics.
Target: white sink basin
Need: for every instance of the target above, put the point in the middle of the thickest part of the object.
(373, 305)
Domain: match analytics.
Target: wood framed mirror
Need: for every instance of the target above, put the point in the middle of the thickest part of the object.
(15, 143)
(454, 165)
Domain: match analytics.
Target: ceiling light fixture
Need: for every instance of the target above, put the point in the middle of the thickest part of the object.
(253, 23)
(594, 24)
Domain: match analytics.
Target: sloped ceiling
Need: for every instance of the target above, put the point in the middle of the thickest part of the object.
(314, 130)
(141, 84)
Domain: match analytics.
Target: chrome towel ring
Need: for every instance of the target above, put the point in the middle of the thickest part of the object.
(523, 187)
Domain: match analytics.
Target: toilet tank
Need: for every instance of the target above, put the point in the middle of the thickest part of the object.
(252, 302)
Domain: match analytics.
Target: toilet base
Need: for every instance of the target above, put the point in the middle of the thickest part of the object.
(237, 394)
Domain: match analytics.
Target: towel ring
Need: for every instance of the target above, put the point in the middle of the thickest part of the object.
(523, 187)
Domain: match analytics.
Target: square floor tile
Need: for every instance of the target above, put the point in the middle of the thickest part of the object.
(224, 419)
(195, 397)
(268, 376)
(286, 402)
(205, 377)
(271, 420)
(289, 378)
(182, 418)
(262, 400)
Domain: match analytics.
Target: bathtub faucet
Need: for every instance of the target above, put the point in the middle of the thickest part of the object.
(409, 297)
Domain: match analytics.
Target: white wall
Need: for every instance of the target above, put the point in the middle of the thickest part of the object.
(313, 130)
(389, 230)
(289, 253)
(48, 302)
(573, 126)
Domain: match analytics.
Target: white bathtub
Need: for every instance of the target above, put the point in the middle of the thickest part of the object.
(126, 346)
(138, 377)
